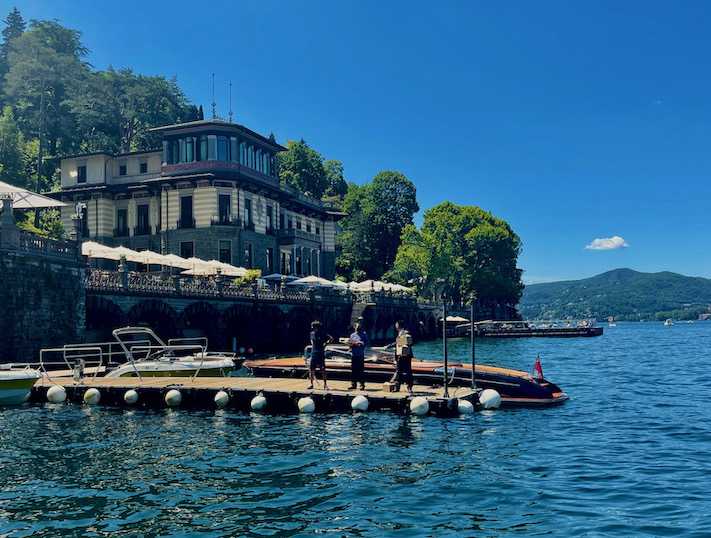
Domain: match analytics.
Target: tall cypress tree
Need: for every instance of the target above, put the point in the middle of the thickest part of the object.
(14, 28)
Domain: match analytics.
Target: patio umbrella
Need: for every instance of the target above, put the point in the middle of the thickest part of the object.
(173, 260)
(315, 281)
(24, 199)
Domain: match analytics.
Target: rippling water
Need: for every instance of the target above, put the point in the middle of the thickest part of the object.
(627, 455)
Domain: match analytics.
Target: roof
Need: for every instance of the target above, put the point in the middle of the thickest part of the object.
(222, 124)
(109, 154)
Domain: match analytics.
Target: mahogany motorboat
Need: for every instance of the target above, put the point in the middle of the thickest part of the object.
(516, 387)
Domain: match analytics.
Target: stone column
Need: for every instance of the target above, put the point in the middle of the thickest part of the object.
(9, 233)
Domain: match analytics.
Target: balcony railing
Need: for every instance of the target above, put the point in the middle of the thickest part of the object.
(121, 232)
(249, 226)
(294, 233)
(225, 220)
(141, 230)
(185, 224)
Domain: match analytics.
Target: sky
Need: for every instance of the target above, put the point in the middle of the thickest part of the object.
(586, 125)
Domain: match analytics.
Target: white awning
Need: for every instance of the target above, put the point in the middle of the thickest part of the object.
(24, 199)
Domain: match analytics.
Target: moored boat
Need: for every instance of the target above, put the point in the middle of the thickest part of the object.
(16, 383)
(516, 387)
(138, 352)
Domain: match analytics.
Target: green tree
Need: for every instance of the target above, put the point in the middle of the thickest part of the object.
(45, 68)
(460, 250)
(14, 28)
(336, 185)
(301, 166)
(376, 214)
(12, 156)
(117, 108)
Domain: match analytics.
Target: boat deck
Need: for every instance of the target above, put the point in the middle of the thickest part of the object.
(282, 394)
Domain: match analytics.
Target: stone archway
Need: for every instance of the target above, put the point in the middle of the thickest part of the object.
(102, 317)
(202, 319)
(157, 315)
(238, 323)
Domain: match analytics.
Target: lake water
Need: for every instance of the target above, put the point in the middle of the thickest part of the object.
(629, 454)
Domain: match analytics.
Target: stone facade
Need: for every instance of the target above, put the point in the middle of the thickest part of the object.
(42, 294)
(213, 193)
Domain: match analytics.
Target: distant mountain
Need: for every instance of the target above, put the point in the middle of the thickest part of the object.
(622, 293)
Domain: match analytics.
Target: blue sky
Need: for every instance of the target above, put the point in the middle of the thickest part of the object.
(574, 121)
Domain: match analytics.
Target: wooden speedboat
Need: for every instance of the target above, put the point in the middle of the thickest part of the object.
(516, 387)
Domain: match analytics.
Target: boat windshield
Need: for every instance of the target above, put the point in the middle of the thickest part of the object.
(140, 343)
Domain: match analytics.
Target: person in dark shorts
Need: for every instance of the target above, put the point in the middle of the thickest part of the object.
(358, 341)
(319, 340)
(403, 357)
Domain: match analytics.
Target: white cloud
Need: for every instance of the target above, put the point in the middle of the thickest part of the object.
(607, 243)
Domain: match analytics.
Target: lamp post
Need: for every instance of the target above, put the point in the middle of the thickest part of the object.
(444, 346)
(472, 299)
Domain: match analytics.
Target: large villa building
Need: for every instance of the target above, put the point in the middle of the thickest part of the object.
(212, 192)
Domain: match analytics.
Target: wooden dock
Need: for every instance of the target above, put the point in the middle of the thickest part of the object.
(282, 394)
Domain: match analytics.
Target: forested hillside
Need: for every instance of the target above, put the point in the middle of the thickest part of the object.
(622, 293)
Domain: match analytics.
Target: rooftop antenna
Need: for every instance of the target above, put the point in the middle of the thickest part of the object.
(230, 92)
(214, 105)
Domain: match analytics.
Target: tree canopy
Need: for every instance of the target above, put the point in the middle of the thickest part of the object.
(376, 214)
(460, 250)
(301, 166)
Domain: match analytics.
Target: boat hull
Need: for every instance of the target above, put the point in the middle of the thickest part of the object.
(515, 387)
(15, 391)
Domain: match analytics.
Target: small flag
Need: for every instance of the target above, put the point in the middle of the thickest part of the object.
(538, 369)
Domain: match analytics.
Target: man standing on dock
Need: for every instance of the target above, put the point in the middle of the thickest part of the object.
(403, 357)
(319, 339)
(358, 341)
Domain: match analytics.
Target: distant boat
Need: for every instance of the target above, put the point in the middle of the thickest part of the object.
(668, 323)
(611, 322)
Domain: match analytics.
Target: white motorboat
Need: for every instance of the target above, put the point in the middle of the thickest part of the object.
(139, 352)
(668, 323)
(16, 382)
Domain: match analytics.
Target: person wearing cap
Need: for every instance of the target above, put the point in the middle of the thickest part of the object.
(319, 340)
(403, 357)
(358, 342)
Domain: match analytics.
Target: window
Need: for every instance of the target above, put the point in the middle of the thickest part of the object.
(142, 218)
(298, 261)
(121, 222)
(248, 256)
(166, 151)
(281, 221)
(203, 148)
(258, 157)
(234, 153)
(225, 254)
(307, 253)
(122, 169)
(211, 147)
(222, 147)
(181, 147)
(189, 149)
(224, 202)
(248, 211)
(175, 152)
(308, 227)
(84, 220)
(318, 230)
(298, 223)
(186, 212)
(270, 260)
(143, 167)
(291, 223)
(250, 157)
(186, 249)
(242, 153)
(81, 173)
(270, 218)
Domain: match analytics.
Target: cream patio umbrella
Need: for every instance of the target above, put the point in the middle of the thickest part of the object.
(316, 282)
(24, 199)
